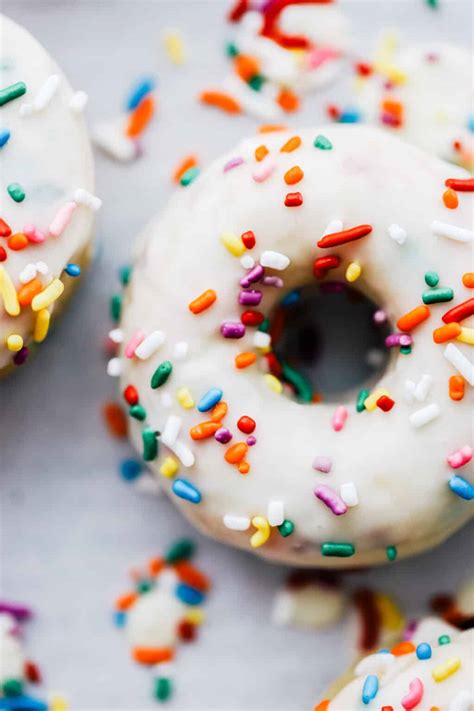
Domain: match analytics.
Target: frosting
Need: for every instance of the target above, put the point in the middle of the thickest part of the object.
(47, 203)
(354, 482)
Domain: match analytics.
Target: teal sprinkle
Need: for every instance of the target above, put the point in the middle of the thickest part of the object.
(438, 296)
(361, 398)
(125, 274)
(432, 278)
(323, 143)
(256, 82)
(116, 307)
(300, 383)
(189, 176)
(264, 326)
(444, 639)
(405, 350)
(231, 49)
(286, 528)
(392, 553)
(16, 192)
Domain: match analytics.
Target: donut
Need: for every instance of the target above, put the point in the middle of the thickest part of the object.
(432, 670)
(239, 439)
(47, 205)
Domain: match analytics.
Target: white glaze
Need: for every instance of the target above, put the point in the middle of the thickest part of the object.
(400, 471)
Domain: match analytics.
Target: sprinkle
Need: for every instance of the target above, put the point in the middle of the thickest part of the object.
(150, 344)
(339, 418)
(432, 278)
(189, 161)
(115, 419)
(262, 534)
(150, 444)
(244, 360)
(250, 298)
(353, 271)
(233, 330)
(391, 552)
(444, 639)
(16, 192)
(323, 143)
(48, 296)
(262, 340)
(461, 487)
(220, 100)
(133, 344)
(84, 197)
(423, 387)
(291, 145)
(322, 464)
(73, 270)
(460, 457)
(42, 322)
(442, 229)
(398, 339)
(273, 383)
(34, 234)
(20, 357)
(130, 469)
(286, 528)
(233, 244)
(222, 435)
(462, 185)
(219, 411)
(141, 89)
(427, 414)
(294, 175)
(349, 495)
(260, 152)
(5, 230)
(161, 374)
(138, 412)
(460, 362)
(62, 219)
(14, 343)
(171, 430)
(46, 92)
(254, 275)
(264, 169)
(446, 669)
(114, 367)
(187, 594)
(187, 491)
(370, 689)
(246, 424)
(329, 497)
(338, 550)
(274, 260)
(293, 200)
(12, 92)
(209, 399)
(423, 651)
(273, 281)
(4, 136)
(78, 102)
(189, 176)
(447, 333)
(322, 265)
(236, 453)
(130, 395)
(185, 398)
(468, 280)
(413, 318)
(437, 296)
(337, 239)
(184, 454)
(17, 242)
(459, 312)
(361, 398)
(466, 336)
(415, 694)
(204, 430)
(233, 163)
(140, 117)
(236, 523)
(275, 513)
(370, 403)
(450, 199)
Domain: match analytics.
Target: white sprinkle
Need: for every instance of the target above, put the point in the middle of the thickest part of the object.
(397, 233)
(116, 335)
(275, 513)
(425, 415)
(334, 226)
(247, 261)
(349, 494)
(423, 387)
(236, 523)
(274, 260)
(409, 391)
(78, 101)
(183, 452)
(459, 234)
(114, 367)
(166, 400)
(374, 664)
(181, 350)
(171, 430)
(150, 345)
(28, 273)
(463, 701)
(42, 268)
(110, 138)
(46, 93)
(460, 362)
(261, 339)
(84, 197)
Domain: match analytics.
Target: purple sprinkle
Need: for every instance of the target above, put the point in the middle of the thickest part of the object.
(223, 435)
(19, 612)
(332, 287)
(231, 329)
(250, 298)
(398, 339)
(233, 163)
(406, 340)
(389, 120)
(322, 464)
(380, 317)
(273, 281)
(255, 274)
(20, 357)
(251, 440)
(409, 630)
(329, 497)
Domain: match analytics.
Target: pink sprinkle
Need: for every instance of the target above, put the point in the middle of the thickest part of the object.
(133, 343)
(233, 163)
(460, 457)
(273, 281)
(380, 317)
(251, 441)
(62, 219)
(329, 497)
(34, 234)
(19, 612)
(339, 418)
(264, 169)
(322, 464)
(415, 694)
(319, 56)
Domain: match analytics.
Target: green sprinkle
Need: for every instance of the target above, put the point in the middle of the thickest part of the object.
(322, 143)
(300, 383)
(438, 296)
(116, 307)
(405, 350)
(231, 49)
(150, 444)
(444, 639)
(256, 82)
(12, 92)
(286, 528)
(264, 326)
(361, 398)
(338, 550)
(138, 412)
(433, 4)
(125, 274)
(163, 688)
(12, 687)
(161, 374)
(190, 175)
(180, 550)
(391, 553)
(144, 586)
(16, 192)
(432, 278)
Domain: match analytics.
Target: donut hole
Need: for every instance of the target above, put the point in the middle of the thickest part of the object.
(327, 342)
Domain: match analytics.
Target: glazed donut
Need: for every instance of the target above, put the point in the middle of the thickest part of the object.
(47, 205)
(339, 484)
(432, 670)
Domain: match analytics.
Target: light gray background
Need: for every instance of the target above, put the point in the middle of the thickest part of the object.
(70, 527)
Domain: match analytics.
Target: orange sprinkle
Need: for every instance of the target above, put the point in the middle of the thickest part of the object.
(244, 467)
(246, 66)
(413, 318)
(322, 706)
(271, 127)
(288, 100)
(190, 575)
(450, 199)
(261, 152)
(446, 333)
(204, 430)
(140, 117)
(243, 360)
(202, 302)
(236, 453)
(395, 108)
(291, 145)
(220, 100)
(187, 162)
(219, 411)
(28, 291)
(152, 655)
(468, 280)
(156, 565)
(403, 648)
(115, 419)
(456, 387)
(18, 241)
(126, 601)
(293, 175)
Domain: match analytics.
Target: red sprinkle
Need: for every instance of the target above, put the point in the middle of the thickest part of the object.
(252, 318)
(333, 112)
(338, 238)
(5, 230)
(130, 394)
(32, 672)
(363, 69)
(322, 265)
(459, 312)
(3, 254)
(249, 240)
(461, 185)
(187, 631)
(385, 403)
(246, 424)
(294, 200)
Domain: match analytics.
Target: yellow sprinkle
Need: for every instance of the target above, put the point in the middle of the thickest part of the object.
(387, 46)
(8, 293)
(46, 297)
(353, 271)
(370, 403)
(58, 703)
(185, 398)
(174, 46)
(442, 671)
(196, 616)
(14, 343)
(393, 74)
(273, 383)
(41, 325)
(390, 613)
(262, 533)
(169, 467)
(466, 335)
(233, 243)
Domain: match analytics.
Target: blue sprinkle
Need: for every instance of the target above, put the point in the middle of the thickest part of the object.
(189, 595)
(209, 399)
(185, 490)
(423, 651)
(4, 136)
(22, 703)
(140, 90)
(73, 270)
(350, 116)
(461, 487)
(370, 689)
(130, 469)
(120, 617)
(291, 298)
(470, 123)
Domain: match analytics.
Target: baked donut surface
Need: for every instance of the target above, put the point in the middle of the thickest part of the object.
(345, 483)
